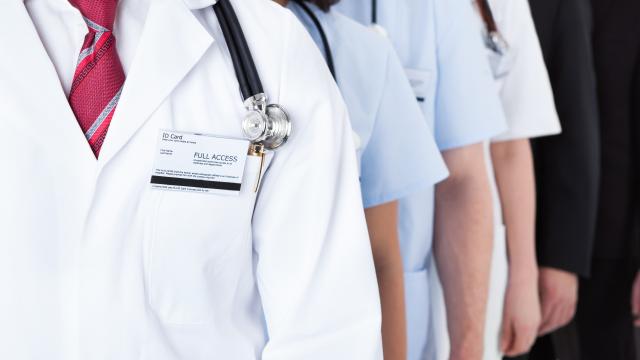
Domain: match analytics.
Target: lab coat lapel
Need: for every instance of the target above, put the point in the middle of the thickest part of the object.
(45, 111)
(171, 44)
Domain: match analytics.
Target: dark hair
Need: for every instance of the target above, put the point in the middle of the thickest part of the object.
(325, 5)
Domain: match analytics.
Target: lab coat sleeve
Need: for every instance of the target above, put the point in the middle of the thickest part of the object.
(526, 93)
(401, 156)
(468, 108)
(314, 267)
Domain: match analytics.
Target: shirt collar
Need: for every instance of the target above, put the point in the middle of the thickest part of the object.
(199, 4)
(192, 4)
(59, 2)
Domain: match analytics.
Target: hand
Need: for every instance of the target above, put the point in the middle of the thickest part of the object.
(521, 315)
(635, 300)
(558, 296)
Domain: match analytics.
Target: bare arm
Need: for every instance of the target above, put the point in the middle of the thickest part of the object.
(382, 224)
(463, 241)
(513, 168)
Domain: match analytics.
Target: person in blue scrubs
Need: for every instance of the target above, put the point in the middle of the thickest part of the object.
(443, 54)
(396, 150)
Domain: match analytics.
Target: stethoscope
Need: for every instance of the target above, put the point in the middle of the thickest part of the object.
(265, 125)
(325, 42)
(493, 38)
(374, 19)
(327, 51)
(323, 36)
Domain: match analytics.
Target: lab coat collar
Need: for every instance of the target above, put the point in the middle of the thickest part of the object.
(171, 44)
(47, 116)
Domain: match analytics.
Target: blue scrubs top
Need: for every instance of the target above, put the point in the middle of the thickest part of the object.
(395, 147)
(443, 54)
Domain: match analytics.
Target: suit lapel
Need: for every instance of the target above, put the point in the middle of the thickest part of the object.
(171, 44)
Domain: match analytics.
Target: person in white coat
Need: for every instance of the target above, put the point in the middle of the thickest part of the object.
(97, 264)
(396, 149)
(513, 311)
(513, 316)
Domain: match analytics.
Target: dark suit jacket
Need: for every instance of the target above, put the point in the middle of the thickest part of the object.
(567, 166)
(616, 44)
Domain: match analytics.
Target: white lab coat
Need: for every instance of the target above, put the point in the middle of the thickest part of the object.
(527, 100)
(96, 265)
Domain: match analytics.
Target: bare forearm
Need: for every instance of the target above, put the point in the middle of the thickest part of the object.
(394, 338)
(463, 246)
(382, 224)
(513, 167)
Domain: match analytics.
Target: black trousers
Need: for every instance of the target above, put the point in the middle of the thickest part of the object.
(603, 326)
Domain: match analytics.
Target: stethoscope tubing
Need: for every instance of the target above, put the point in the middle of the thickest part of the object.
(243, 64)
(487, 16)
(266, 125)
(243, 82)
(323, 36)
(374, 11)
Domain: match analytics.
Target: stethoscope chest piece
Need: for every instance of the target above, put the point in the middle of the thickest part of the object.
(278, 127)
(266, 125)
(254, 125)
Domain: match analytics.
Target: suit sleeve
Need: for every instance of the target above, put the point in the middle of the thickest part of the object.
(567, 166)
(314, 266)
(635, 246)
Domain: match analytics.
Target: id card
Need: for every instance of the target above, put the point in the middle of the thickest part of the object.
(191, 162)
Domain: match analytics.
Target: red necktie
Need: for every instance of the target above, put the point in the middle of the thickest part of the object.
(98, 80)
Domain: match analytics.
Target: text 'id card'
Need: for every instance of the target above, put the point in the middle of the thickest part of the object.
(199, 163)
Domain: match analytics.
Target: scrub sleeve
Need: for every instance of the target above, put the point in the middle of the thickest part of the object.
(401, 156)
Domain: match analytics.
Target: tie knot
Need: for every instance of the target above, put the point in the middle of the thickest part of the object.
(99, 14)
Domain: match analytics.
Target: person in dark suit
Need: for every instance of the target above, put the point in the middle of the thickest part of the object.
(604, 318)
(567, 171)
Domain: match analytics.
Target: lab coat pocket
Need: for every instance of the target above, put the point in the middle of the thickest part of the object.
(421, 83)
(194, 241)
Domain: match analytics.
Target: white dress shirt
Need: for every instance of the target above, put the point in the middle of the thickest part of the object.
(62, 29)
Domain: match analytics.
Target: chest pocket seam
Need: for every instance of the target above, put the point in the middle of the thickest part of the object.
(181, 297)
